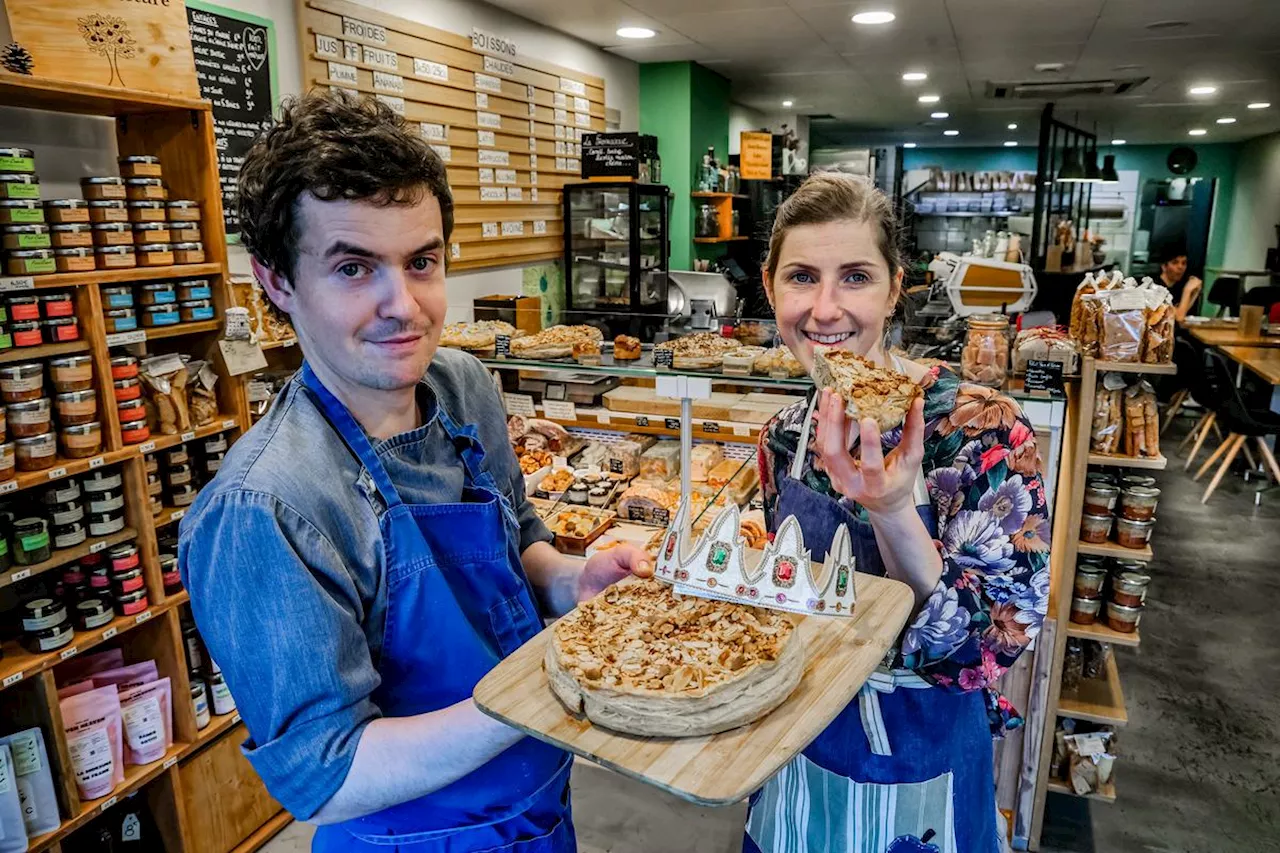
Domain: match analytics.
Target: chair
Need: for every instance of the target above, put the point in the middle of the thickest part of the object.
(1202, 386)
(1241, 422)
(1225, 293)
(1266, 296)
(1190, 363)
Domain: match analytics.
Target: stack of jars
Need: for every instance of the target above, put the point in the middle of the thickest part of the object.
(30, 320)
(156, 304)
(33, 394)
(27, 246)
(130, 408)
(1128, 506)
(134, 223)
(1122, 586)
(180, 483)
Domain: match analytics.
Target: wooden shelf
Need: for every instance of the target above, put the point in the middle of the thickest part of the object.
(719, 239)
(168, 516)
(1101, 633)
(1130, 367)
(158, 332)
(66, 555)
(1119, 552)
(221, 423)
(47, 351)
(284, 344)
(1106, 795)
(704, 194)
(21, 90)
(1156, 464)
(64, 468)
(264, 833)
(1098, 700)
(74, 279)
(728, 431)
(218, 724)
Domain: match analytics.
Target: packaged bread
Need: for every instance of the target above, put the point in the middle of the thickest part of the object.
(1108, 416)
(1044, 343)
(1076, 323)
(1141, 421)
(661, 462)
(1157, 344)
(703, 459)
(1124, 324)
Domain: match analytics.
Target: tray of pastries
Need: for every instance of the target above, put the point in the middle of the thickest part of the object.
(554, 342)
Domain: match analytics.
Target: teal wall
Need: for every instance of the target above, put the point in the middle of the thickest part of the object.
(971, 159)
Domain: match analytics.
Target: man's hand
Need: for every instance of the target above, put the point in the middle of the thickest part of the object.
(608, 567)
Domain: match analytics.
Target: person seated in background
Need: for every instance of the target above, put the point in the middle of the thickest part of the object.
(1184, 287)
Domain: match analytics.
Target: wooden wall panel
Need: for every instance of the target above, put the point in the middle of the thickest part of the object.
(222, 798)
(509, 129)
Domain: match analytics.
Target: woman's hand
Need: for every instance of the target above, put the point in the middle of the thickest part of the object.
(882, 484)
(608, 567)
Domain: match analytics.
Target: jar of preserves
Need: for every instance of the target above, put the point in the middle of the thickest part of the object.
(70, 534)
(182, 495)
(134, 432)
(31, 418)
(1095, 529)
(1130, 589)
(108, 500)
(106, 523)
(128, 581)
(66, 211)
(27, 333)
(146, 211)
(199, 701)
(56, 305)
(177, 456)
(1128, 481)
(31, 262)
(157, 293)
(112, 234)
(115, 257)
(4, 426)
(124, 367)
(19, 187)
(140, 166)
(20, 212)
(1089, 580)
(1138, 503)
(108, 188)
(60, 330)
(169, 574)
(185, 232)
(76, 407)
(160, 315)
(192, 289)
(117, 297)
(8, 461)
(120, 320)
(1100, 498)
(179, 475)
(26, 307)
(17, 160)
(1084, 611)
(155, 255)
(73, 236)
(31, 541)
(75, 260)
(129, 411)
(25, 237)
(37, 452)
(985, 357)
(1134, 534)
(213, 464)
(127, 389)
(183, 210)
(188, 253)
(82, 440)
(223, 703)
(131, 603)
(71, 373)
(216, 444)
(151, 232)
(107, 210)
(93, 613)
(154, 487)
(99, 481)
(1123, 619)
(196, 310)
(145, 189)
(20, 383)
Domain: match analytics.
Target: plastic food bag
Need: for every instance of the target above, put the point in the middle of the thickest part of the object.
(35, 781)
(147, 713)
(1157, 346)
(1141, 421)
(165, 379)
(95, 741)
(126, 677)
(1108, 416)
(1089, 764)
(1124, 325)
(80, 668)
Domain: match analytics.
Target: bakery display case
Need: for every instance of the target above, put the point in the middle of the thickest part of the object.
(616, 248)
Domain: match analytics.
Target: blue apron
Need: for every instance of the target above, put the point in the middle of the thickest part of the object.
(458, 602)
(907, 768)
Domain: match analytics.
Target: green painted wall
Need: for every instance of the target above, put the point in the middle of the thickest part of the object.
(687, 107)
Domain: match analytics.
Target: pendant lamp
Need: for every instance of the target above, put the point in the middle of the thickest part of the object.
(1092, 174)
(1071, 171)
(1109, 173)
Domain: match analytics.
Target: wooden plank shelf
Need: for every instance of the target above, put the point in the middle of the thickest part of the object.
(706, 194)
(158, 332)
(1131, 367)
(64, 468)
(47, 351)
(1098, 700)
(221, 423)
(1100, 632)
(1106, 795)
(727, 431)
(1116, 461)
(20, 90)
(66, 555)
(218, 723)
(106, 277)
(719, 239)
(284, 344)
(1119, 552)
(168, 516)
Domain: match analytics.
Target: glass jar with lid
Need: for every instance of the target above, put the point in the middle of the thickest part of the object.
(985, 357)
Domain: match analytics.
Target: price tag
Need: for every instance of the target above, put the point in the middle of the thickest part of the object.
(68, 652)
(169, 762)
(1044, 377)
(672, 423)
(289, 342)
(12, 679)
(502, 346)
(641, 420)
(554, 391)
(188, 436)
(120, 339)
(98, 546)
(661, 516)
(560, 410)
(519, 404)
(146, 447)
(55, 473)
(8, 486)
(25, 282)
(637, 513)
(110, 632)
(96, 462)
(604, 418)
(19, 576)
(235, 718)
(229, 423)
(662, 357)
(740, 429)
(107, 803)
(142, 617)
(710, 426)
(177, 514)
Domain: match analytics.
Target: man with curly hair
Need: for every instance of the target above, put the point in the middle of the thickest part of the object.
(366, 553)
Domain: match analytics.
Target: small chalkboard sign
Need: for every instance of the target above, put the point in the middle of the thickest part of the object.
(637, 513)
(641, 420)
(611, 155)
(1044, 376)
(662, 357)
(672, 423)
(661, 516)
(710, 426)
(615, 465)
(502, 346)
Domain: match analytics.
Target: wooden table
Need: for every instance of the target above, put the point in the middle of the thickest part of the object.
(1264, 361)
(1221, 335)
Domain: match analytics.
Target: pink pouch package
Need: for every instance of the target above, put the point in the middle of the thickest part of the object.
(75, 689)
(80, 668)
(95, 740)
(147, 714)
(125, 677)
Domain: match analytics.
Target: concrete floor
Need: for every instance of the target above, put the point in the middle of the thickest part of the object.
(1199, 762)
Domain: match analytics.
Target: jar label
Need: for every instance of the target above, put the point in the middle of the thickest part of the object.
(25, 215)
(39, 265)
(17, 164)
(35, 541)
(201, 314)
(91, 759)
(68, 332)
(33, 417)
(164, 297)
(98, 621)
(105, 528)
(43, 622)
(164, 318)
(199, 293)
(4, 545)
(24, 191)
(33, 383)
(120, 300)
(58, 640)
(33, 241)
(222, 701)
(108, 505)
(26, 753)
(6, 341)
(69, 540)
(27, 339)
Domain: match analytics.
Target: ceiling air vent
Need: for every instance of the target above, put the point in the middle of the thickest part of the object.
(1052, 91)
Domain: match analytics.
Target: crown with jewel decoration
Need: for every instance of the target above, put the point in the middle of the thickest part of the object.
(719, 565)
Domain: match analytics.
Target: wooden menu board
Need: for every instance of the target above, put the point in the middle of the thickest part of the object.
(508, 127)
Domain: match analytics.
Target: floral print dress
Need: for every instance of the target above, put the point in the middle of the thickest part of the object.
(982, 477)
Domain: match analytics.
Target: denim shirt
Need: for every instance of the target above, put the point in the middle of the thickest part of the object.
(283, 558)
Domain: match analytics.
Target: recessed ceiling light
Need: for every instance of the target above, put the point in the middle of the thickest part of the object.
(635, 33)
(1226, 120)
(1119, 141)
(788, 103)
(1259, 105)
(908, 145)
(1013, 125)
(950, 133)
(1049, 67)
(915, 76)
(939, 115)
(1167, 25)
(929, 99)
(1011, 144)
(873, 17)
(1197, 131)
(1202, 90)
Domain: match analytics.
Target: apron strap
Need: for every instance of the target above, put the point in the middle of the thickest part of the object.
(883, 681)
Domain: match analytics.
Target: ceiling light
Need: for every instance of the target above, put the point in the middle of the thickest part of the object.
(1202, 90)
(1197, 131)
(929, 99)
(1071, 172)
(635, 33)
(939, 115)
(1010, 144)
(1226, 120)
(1013, 125)
(1259, 105)
(1119, 141)
(873, 17)
(1049, 67)
(908, 145)
(1109, 174)
(915, 76)
(950, 133)
(1092, 173)
(788, 103)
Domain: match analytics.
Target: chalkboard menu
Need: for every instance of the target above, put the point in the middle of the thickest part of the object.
(233, 53)
(617, 155)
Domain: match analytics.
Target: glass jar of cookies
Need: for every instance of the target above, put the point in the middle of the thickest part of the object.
(985, 357)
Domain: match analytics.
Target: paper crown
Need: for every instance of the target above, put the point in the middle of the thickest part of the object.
(781, 577)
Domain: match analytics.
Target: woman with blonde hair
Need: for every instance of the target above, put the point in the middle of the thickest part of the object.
(951, 503)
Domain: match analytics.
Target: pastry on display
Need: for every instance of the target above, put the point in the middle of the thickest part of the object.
(626, 348)
(554, 342)
(479, 335)
(541, 434)
(1044, 343)
(703, 458)
(586, 351)
(699, 351)
(868, 391)
(642, 660)
(755, 333)
(533, 461)
(557, 481)
(779, 360)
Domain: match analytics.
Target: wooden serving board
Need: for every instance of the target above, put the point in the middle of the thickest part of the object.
(717, 770)
(758, 407)
(645, 401)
